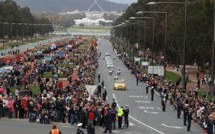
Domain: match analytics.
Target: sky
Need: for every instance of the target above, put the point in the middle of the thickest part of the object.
(123, 1)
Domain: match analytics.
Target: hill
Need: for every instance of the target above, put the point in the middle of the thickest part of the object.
(56, 6)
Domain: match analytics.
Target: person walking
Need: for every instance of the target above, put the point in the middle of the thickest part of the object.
(55, 130)
(119, 115)
(79, 130)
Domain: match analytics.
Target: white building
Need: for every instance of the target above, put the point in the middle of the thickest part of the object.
(90, 22)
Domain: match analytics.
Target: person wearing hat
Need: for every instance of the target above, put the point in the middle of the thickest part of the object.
(79, 130)
(55, 130)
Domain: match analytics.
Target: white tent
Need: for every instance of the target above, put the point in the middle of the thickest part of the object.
(91, 89)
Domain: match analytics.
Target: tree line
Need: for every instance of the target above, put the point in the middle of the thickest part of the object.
(199, 30)
(17, 22)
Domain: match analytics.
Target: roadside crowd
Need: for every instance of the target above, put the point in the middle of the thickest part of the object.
(194, 107)
(73, 104)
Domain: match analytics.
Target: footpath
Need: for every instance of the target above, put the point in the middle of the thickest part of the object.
(31, 45)
(192, 74)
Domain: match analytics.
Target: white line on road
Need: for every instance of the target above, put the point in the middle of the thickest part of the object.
(114, 131)
(150, 112)
(139, 121)
(176, 127)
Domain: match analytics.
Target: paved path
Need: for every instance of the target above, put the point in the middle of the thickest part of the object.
(31, 45)
(145, 115)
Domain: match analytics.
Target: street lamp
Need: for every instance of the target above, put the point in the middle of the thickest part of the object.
(213, 54)
(185, 34)
(153, 31)
(165, 32)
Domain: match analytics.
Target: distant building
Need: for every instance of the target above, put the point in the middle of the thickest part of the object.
(90, 22)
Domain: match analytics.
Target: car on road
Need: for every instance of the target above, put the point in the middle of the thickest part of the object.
(109, 62)
(119, 85)
(109, 65)
(108, 58)
(107, 54)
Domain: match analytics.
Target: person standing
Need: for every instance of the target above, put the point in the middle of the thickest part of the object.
(152, 93)
(55, 130)
(119, 115)
(104, 94)
(1, 107)
(102, 83)
(90, 129)
(108, 126)
(99, 76)
(186, 110)
(179, 107)
(137, 79)
(113, 113)
(126, 114)
(189, 119)
(163, 102)
(99, 90)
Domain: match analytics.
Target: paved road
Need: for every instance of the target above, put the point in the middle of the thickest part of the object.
(145, 115)
(32, 45)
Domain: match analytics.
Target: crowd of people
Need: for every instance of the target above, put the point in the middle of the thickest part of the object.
(74, 104)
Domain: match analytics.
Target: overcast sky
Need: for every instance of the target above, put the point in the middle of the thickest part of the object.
(123, 1)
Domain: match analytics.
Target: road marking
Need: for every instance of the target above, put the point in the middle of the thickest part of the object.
(114, 131)
(138, 96)
(140, 121)
(139, 101)
(130, 124)
(150, 112)
(127, 132)
(149, 108)
(176, 127)
(67, 126)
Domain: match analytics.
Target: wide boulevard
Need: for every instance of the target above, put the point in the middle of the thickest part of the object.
(146, 116)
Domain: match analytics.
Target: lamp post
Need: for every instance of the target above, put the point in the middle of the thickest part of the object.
(165, 32)
(153, 31)
(213, 47)
(185, 35)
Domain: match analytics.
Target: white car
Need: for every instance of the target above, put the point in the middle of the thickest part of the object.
(109, 62)
(109, 65)
(108, 58)
(107, 54)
